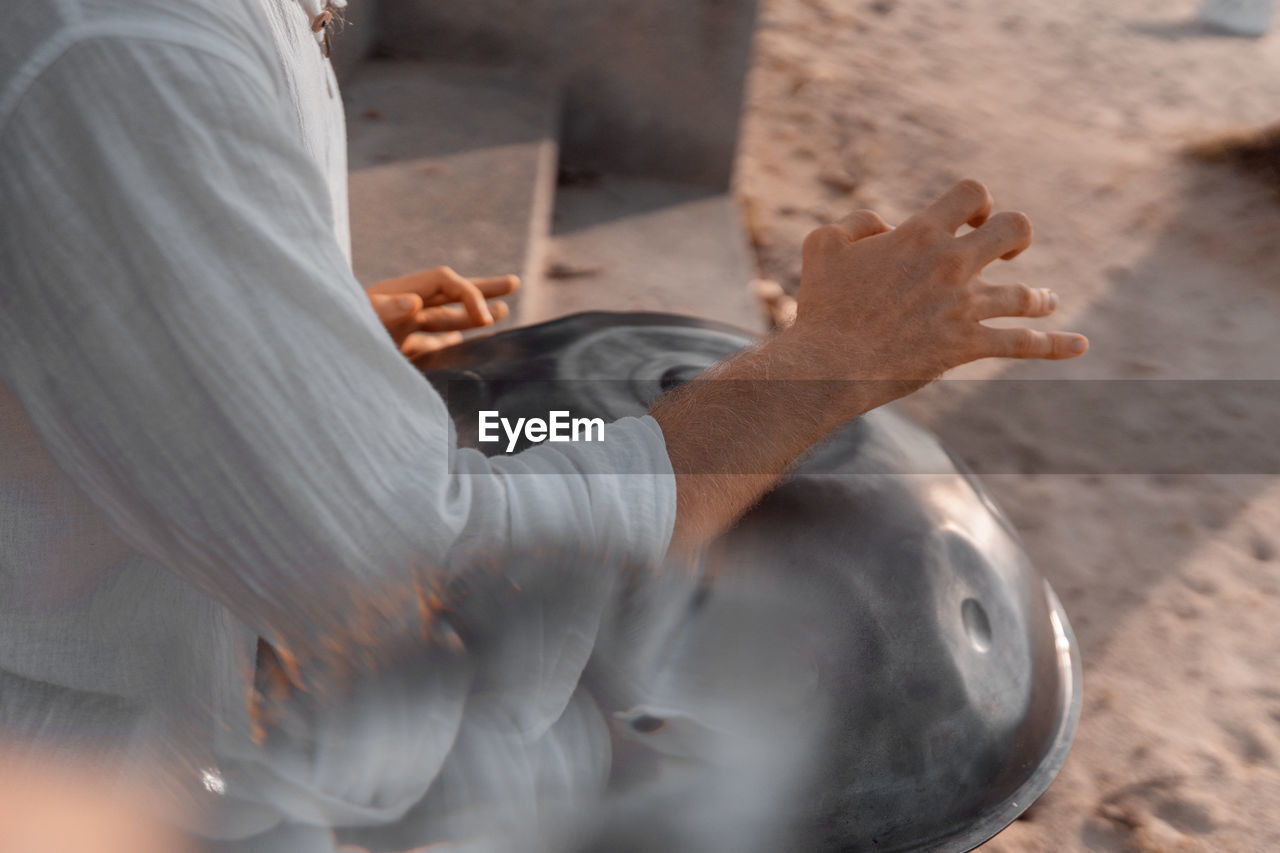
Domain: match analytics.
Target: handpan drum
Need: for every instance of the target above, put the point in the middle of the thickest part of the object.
(953, 668)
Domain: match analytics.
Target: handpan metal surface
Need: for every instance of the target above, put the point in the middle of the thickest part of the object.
(952, 668)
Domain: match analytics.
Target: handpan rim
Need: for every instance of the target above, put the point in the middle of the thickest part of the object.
(465, 354)
(1071, 672)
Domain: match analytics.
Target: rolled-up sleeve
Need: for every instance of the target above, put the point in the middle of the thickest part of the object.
(187, 338)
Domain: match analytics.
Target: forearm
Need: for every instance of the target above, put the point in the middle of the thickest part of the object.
(733, 431)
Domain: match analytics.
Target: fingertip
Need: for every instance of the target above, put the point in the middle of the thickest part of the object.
(976, 190)
(1068, 345)
(478, 310)
(862, 224)
(394, 308)
(1046, 304)
(514, 282)
(987, 204)
(421, 343)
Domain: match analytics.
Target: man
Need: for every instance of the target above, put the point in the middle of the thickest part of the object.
(209, 446)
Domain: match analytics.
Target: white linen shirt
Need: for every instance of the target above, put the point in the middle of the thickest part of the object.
(205, 434)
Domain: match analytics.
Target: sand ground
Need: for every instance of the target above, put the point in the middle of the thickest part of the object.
(1077, 113)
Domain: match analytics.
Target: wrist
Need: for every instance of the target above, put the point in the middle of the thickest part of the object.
(815, 387)
(842, 378)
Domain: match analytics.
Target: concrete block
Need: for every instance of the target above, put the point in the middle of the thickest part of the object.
(449, 166)
(635, 245)
(652, 87)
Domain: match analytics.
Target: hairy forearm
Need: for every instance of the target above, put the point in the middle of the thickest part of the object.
(732, 431)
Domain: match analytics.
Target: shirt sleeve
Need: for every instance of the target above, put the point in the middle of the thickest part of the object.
(184, 332)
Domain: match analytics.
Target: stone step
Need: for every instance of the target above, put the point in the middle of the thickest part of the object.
(641, 245)
(652, 88)
(449, 165)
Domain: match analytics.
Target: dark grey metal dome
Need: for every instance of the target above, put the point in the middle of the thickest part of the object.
(952, 663)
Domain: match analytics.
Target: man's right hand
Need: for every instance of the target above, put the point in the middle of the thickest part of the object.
(907, 303)
(881, 311)
(418, 309)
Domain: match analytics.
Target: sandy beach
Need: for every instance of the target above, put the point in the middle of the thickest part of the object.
(1079, 114)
